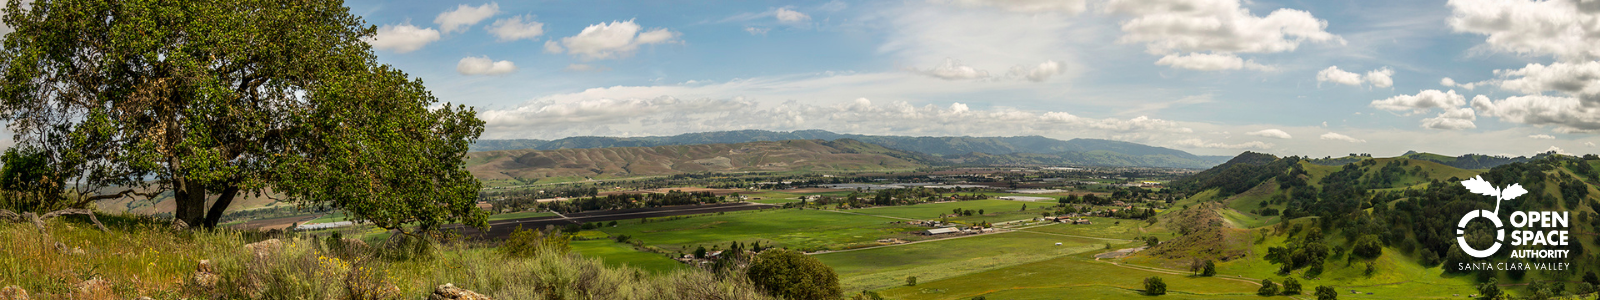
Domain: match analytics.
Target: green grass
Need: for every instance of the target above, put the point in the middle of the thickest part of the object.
(1071, 277)
(619, 254)
(519, 215)
(329, 218)
(796, 229)
(1108, 228)
(888, 266)
(931, 211)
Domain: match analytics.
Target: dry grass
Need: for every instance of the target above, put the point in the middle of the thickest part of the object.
(140, 257)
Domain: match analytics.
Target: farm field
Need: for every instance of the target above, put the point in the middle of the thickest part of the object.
(931, 211)
(617, 254)
(795, 229)
(1108, 228)
(889, 266)
(519, 215)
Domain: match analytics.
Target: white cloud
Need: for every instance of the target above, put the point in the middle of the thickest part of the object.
(1272, 133)
(402, 38)
(1218, 26)
(1210, 62)
(516, 28)
(1581, 80)
(1335, 75)
(484, 66)
(1556, 150)
(790, 16)
(1590, 144)
(1565, 29)
(1542, 137)
(757, 31)
(1070, 7)
(1567, 114)
(465, 16)
(1422, 101)
(986, 39)
(954, 70)
(617, 39)
(1453, 118)
(1381, 77)
(1037, 73)
(1447, 82)
(1340, 137)
(1197, 143)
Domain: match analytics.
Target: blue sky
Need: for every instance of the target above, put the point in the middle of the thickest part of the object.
(1313, 78)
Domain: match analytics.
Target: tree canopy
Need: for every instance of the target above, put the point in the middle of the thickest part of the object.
(792, 275)
(211, 100)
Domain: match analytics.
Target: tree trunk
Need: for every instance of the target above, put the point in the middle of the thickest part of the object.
(191, 203)
(221, 206)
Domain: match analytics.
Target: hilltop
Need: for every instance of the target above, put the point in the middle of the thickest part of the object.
(962, 150)
(773, 156)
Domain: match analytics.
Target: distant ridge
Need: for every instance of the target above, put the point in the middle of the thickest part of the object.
(768, 156)
(964, 149)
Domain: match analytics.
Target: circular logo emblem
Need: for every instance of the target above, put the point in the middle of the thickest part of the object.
(1461, 233)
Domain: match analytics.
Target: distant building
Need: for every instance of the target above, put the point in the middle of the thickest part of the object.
(938, 231)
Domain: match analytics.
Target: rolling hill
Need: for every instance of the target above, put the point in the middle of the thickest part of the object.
(963, 150)
(773, 156)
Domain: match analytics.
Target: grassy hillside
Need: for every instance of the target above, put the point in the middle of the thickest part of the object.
(793, 155)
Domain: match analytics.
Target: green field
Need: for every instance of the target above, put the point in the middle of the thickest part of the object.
(1108, 228)
(995, 210)
(1071, 277)
(615, 254)
(519, 215)
(808, 229)
(887, 266)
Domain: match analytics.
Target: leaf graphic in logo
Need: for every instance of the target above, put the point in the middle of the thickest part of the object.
(1477, 185)
(1511, 192)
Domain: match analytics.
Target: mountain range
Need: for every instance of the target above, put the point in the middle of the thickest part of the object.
(952, 150)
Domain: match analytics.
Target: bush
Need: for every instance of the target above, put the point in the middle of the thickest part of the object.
(1291, 286)
(1154, 286)
(1267, 288)
(526, 243)
(1210, 269)
(792, 275)
(1368, 246)
(911, 281)
(1327, 293)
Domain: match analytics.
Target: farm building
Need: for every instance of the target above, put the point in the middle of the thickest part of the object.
(938, 231)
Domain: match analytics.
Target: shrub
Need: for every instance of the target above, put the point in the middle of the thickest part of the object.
(1154, 286)
(1327, 293)
(792, 275)
(1267, 288)
(526, 243)
(1210, 269)
(1291, 286)
(911, 281)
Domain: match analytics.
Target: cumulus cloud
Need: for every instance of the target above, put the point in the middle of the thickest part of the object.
(1272, 133)
(790, 16)
(1036, 73)
(1565, 29)
(464, 16)
(1422, 101)
(402, 38)
(1556, 150)
(1447, 82)
(1380, 77)
(484, 66)
(1566, 114)
(1210, 62)
(1340, 137)
(617, 39)
(1335, 75)
(1197, 143)
(1219, 26)
(1454, 118)
(1542, 137)
(1581, 80)
(516, 28)
(1071, 7)
(953, 70)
